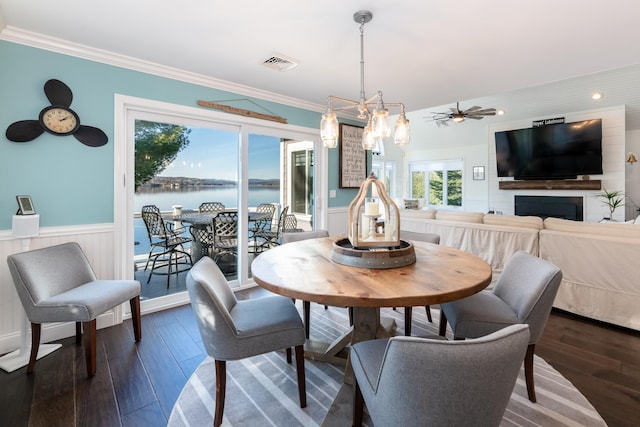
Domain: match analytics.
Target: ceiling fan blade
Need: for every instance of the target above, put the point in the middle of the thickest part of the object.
(474, 108)
(474, 117)
(91, 136)
(24, 131)
(482, 114)
(58, 93)
(485, 111)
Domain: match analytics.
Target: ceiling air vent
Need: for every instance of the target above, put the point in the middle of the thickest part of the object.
(279, 62)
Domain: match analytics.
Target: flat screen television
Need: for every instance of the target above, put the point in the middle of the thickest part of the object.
(558, 151)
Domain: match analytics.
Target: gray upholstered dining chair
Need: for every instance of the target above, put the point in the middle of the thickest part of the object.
(57, 284)
(296, 237)
(470, 382)
(233, 330)
(421, 237)
(524, 293)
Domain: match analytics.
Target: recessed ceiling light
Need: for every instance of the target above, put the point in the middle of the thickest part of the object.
(500, 112)
(596, 96)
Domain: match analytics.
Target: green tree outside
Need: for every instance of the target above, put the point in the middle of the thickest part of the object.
(454, 188)
(417, 184)
(435, 187)
(156, 146)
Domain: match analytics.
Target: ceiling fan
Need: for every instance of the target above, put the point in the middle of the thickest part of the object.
(458, 115)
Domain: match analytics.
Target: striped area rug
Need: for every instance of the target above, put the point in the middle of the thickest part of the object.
(262, 390)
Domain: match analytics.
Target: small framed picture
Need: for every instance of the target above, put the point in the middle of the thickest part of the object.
(478, 173)
(25, 207)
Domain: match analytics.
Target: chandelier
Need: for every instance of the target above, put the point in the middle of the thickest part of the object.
(372, 109)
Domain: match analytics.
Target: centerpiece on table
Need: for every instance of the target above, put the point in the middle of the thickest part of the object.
(367, 244)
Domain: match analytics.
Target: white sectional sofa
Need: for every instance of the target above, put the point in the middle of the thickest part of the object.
(600, 265)
(598, 260)
(493, 239)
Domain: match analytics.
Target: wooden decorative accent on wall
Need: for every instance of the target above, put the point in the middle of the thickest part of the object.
(551, 184)
(242, 111)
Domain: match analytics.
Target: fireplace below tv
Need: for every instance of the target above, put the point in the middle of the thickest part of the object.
(550, 206)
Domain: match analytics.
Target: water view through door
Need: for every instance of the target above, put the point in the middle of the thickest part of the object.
(201, 165)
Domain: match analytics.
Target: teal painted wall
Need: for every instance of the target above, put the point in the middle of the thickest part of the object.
(69, 183)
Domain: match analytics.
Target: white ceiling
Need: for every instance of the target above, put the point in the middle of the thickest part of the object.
(542, 57)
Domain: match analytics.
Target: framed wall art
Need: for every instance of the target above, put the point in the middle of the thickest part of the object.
(353, 158)
(25, 207)
(478, 173)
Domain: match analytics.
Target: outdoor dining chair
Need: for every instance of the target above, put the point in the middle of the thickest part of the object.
(268, 238)
(264, 224)
(202, 244)
(225, 234)
(166, 245)
(211, 207)
(291, 224)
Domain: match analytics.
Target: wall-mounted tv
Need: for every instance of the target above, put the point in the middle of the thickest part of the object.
(559, 151)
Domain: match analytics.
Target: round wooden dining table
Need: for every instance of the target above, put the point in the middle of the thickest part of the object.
(304, 270)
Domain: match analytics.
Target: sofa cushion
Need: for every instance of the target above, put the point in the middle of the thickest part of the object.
(472, 217)
(418, 213)
(411, 204)
(534, 222)
(614, 229)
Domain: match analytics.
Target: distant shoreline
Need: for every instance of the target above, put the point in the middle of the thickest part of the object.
(190, 184)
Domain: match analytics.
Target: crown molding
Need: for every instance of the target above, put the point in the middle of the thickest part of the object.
(65, 47)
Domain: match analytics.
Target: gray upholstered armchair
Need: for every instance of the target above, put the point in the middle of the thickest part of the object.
(57, 284)
(233, 329)
(524, 293)
(469, 382)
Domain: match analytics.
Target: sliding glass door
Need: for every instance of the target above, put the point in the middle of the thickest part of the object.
(181, 171)
(176, 158)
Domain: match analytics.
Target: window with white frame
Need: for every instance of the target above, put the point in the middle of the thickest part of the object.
(385, 170)
(439, 182)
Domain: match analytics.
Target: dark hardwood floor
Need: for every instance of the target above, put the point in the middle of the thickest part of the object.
(602, 361)
(137, 385)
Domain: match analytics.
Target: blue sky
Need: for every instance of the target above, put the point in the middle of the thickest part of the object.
(213, 153)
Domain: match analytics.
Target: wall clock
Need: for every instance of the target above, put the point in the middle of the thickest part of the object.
(57, 119)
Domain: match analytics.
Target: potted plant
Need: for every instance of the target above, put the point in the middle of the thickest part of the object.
(612, 199)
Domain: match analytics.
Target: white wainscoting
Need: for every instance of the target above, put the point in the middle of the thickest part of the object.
(97, 242)
(337, 221)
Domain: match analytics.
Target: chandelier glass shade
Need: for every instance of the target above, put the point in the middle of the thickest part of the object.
(373, 109)
(329, 129)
